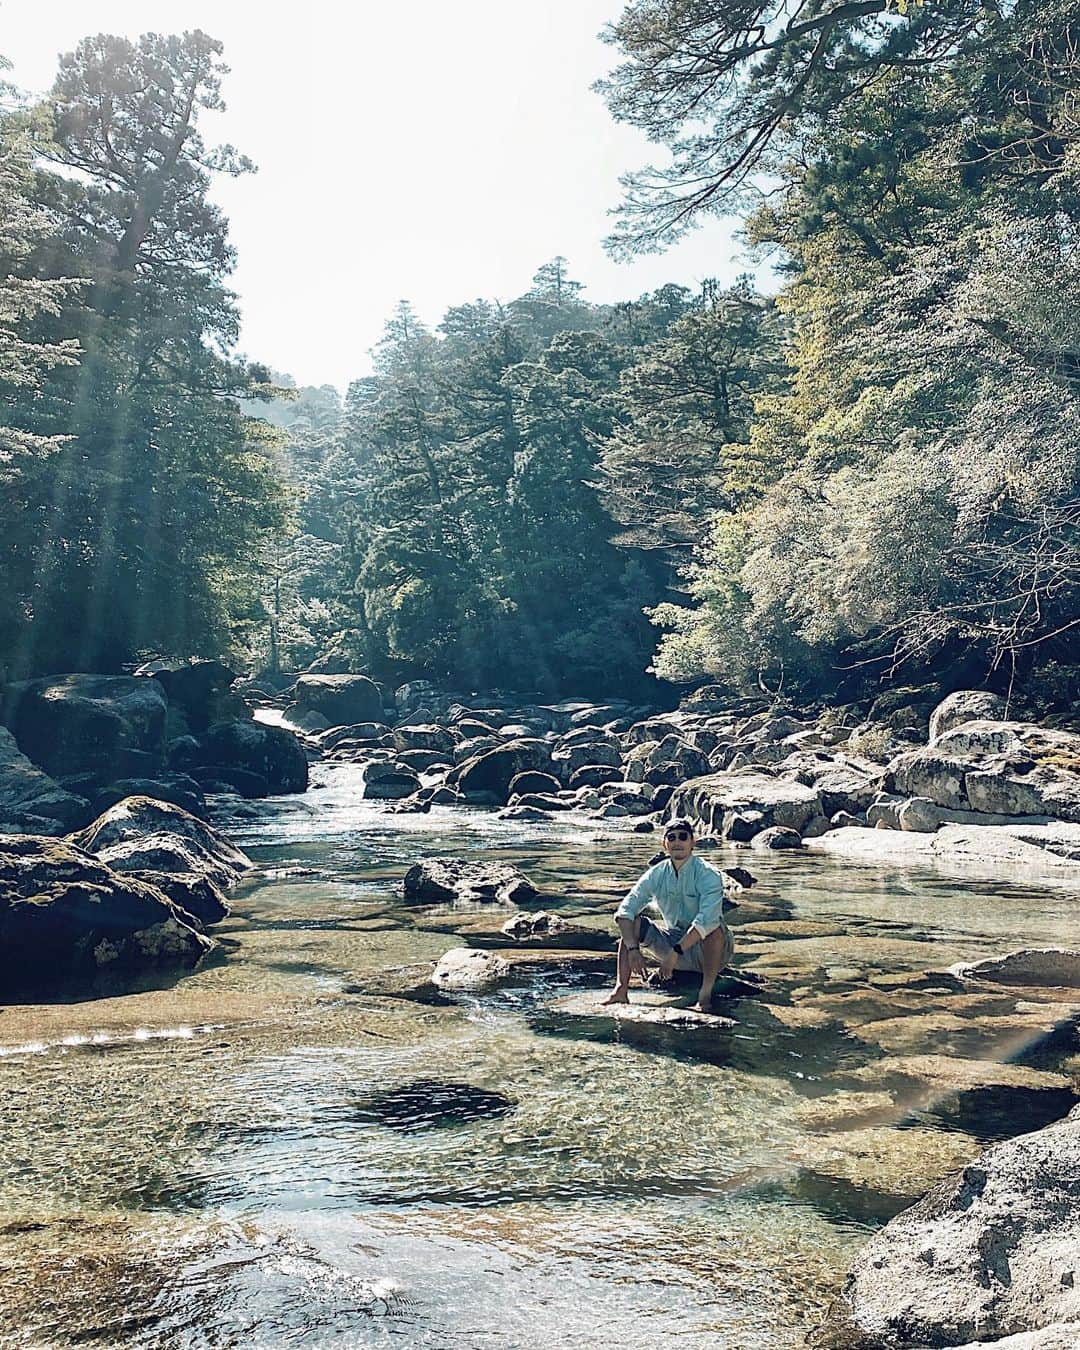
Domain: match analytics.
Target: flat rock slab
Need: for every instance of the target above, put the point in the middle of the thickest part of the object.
(1055, 966)
(643, 1010)
(946, 1074)
(900, 1163)
(957, 1033)
(965, 849)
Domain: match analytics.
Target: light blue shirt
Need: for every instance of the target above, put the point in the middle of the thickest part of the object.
(693, 896)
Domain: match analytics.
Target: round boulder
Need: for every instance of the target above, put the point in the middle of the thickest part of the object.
(342, 699)
(966, 705)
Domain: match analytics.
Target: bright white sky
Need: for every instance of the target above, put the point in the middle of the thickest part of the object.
(435, 150)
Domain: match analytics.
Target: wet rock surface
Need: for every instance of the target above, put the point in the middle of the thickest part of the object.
(65, 915)
(457, 881)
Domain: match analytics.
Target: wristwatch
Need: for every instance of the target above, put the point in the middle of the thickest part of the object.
(677, 947)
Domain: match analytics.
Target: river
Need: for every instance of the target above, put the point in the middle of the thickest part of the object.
(295, 1146)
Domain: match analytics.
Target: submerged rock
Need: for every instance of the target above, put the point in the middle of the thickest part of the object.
(992, 1251)
(1055, 966)
(428, 1104)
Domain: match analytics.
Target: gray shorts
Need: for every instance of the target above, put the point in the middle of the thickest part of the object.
(658, 942)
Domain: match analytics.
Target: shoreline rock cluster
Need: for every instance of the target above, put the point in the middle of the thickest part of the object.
(71, 746)
(134, 891)
(747, 775)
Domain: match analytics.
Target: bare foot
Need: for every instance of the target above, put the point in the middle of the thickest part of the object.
(703, 1005)
(619, 996)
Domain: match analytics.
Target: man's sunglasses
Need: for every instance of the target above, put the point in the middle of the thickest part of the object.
(681, 835)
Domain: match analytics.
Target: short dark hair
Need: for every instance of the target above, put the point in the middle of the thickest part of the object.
(680, 824)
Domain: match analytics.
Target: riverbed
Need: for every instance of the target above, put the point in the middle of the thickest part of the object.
(298, 1145)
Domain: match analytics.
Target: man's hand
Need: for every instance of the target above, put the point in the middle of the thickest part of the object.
(668, 964)
(637, 963)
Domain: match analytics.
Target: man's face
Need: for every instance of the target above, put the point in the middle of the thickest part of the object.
(678, 844)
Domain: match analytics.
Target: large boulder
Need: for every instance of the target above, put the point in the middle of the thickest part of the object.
(428, 737)
(966, 705)
(387, 781)
(998, 768)
(486, 777)
(846, 787)
(202, 691)
(455, 881)
(342, 699)
(65, 914)
(190, 861)
(253, 747)
(29, 798)
(992, 1251)
(717, 798)
(567, 758)
(177, 788)
(104, 725)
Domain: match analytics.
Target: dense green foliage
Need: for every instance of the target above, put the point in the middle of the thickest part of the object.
(462, 495)
(878, 468)
(142, 492)
(917, 481)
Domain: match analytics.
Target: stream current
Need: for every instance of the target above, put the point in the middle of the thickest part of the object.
(296, 1146)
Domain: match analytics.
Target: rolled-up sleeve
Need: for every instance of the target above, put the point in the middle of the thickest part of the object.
(710, 913)
(638, 896)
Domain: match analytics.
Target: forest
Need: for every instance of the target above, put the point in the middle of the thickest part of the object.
(869, 473)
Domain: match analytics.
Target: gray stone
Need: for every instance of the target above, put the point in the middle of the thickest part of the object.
(991, 1251)
(966, 705)
(28, 794)
(253, 747)
(189, 860)
(712, 798)
(342, 699)
(531, 814)
(469, 968)
(69, 724)
(65, 914)
(487, 776)
(387, 781)
(1000, 768)
(428, 737)
(453, 880)
(777, 837)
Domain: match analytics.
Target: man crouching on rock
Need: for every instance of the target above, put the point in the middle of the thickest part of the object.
(690, 895)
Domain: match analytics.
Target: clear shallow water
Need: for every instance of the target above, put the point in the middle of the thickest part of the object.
(252, 1177)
